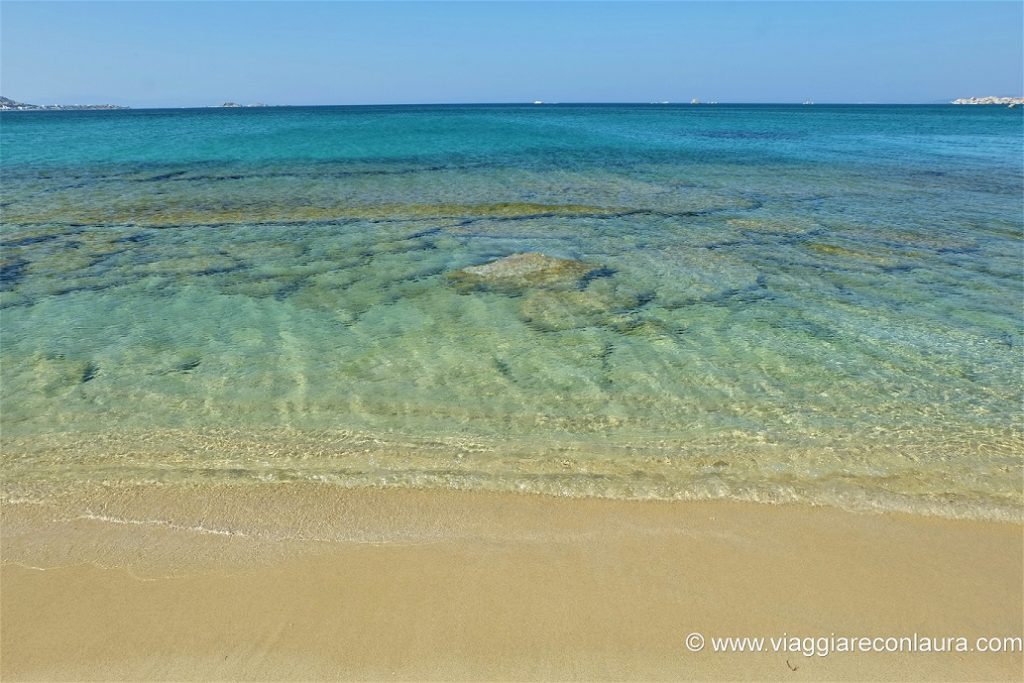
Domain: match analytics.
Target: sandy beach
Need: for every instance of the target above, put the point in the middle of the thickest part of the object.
(512, 341)
(184, 583)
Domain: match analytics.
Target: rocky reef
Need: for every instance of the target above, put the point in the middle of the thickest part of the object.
(162, 210)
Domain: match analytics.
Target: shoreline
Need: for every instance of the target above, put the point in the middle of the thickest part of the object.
(305, 581)
(64, 464)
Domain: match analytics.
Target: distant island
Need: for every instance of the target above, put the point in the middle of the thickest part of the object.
(1011, 101)
(7, 104)
(235, 104)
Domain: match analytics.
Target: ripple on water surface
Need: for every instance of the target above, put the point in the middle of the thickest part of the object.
(588, 313)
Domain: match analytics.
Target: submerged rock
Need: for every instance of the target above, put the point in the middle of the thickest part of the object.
(53, 374)
(523, 271)
(555, 294)
(601, 304)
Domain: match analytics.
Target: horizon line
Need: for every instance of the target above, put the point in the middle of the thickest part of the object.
(537, 103)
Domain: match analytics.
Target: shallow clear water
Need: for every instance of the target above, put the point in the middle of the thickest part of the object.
(773, 303)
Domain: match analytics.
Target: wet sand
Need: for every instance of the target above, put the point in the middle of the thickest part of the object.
(304, 582)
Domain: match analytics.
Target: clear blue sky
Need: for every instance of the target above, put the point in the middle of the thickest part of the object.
(201, 53)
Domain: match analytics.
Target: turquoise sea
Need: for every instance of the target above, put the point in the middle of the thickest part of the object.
(778, 303)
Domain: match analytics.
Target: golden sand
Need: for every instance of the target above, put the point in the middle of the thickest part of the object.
(400, 584)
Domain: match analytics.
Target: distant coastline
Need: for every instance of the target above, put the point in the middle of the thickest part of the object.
(7, 104)
(231, 105)
(1011, 101)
